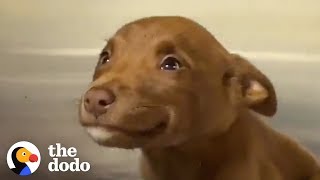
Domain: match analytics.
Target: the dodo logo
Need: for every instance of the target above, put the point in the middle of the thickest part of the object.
(23, 158)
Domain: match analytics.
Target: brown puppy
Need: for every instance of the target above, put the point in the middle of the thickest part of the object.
(167, 86)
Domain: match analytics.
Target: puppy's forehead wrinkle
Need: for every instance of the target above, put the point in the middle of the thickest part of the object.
(165, 47)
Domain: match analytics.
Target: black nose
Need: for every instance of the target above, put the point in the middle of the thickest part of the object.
(97, 101)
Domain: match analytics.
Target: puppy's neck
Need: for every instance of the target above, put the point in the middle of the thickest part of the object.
(207, 150)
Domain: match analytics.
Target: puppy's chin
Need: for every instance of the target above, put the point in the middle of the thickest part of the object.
(99, 134)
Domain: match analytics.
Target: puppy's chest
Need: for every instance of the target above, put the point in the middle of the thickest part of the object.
(187, 169)
(207, 171)
(184, 169)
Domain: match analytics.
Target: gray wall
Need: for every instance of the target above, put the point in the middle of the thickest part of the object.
(250, 25)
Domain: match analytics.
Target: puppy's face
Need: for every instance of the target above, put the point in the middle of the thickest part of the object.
(158, 82)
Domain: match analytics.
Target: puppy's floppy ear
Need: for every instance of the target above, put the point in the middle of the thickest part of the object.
(257, 91)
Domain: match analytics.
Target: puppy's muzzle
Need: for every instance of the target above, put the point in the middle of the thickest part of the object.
(139, 121)
(97, 101)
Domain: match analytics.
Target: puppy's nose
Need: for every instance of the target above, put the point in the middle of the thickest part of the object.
(97, 101)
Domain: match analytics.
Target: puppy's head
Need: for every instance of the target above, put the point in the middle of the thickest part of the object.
(160, 81)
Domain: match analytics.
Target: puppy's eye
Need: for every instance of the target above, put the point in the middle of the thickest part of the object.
(104, 58)
(170, 63)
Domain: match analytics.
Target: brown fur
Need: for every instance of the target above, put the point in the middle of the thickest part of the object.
(198, 122)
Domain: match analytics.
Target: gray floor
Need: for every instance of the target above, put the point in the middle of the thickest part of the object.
(38, 100)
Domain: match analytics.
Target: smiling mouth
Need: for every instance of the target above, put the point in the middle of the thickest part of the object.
(145, 133)
(143, 113)
(148, 132)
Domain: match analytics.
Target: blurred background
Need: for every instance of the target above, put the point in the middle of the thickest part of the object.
(48, 50)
